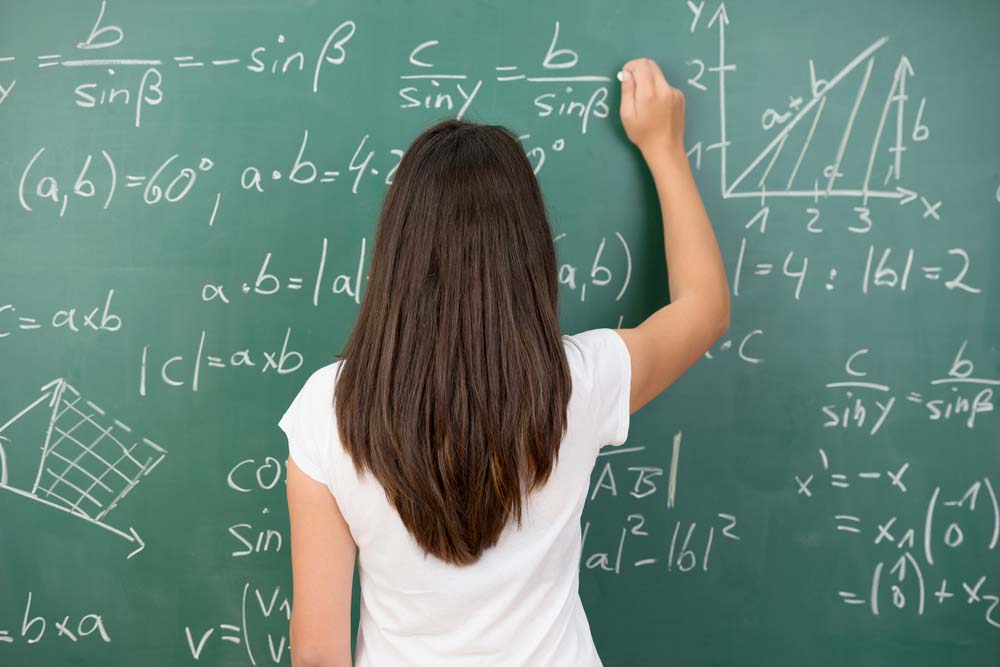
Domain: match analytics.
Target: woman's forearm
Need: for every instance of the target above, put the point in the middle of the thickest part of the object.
(694, 262)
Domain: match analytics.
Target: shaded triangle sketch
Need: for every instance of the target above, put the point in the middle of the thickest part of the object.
(777, 170)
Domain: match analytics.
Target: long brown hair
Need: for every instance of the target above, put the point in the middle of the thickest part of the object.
(453, 384)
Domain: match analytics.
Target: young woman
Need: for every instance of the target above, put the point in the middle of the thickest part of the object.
(455, 455)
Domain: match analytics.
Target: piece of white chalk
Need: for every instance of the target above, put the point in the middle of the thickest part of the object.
(621, 76)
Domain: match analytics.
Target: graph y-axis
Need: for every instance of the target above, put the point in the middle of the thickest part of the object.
(722, 18)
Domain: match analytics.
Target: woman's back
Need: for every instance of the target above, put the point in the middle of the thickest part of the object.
(457, 453)
(519, 602)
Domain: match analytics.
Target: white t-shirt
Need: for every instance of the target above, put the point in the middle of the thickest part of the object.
(519, 604)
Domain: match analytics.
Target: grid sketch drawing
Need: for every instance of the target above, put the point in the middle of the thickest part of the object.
(89, 460)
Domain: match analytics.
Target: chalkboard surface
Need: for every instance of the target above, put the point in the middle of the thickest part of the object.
(188, 197)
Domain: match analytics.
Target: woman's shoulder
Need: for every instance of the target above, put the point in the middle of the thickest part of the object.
(308, 421)
(312, 407)
(587, 349)
(320, 383)
(601, 368)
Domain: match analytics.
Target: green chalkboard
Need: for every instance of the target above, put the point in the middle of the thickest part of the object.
(188, 198)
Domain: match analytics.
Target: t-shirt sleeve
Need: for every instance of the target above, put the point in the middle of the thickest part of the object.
(605, 375)
(306, 425)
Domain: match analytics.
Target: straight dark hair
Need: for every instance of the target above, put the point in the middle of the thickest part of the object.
(453, 384)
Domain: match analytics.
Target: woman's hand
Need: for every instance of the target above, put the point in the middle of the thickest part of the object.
(652, 111)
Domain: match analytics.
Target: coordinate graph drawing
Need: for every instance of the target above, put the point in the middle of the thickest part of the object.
(759, 179)
(89, 461)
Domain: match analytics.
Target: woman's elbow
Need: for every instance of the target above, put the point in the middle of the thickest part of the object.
(721, 317)
(318, 653)
(318, 656)
(723, 325)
